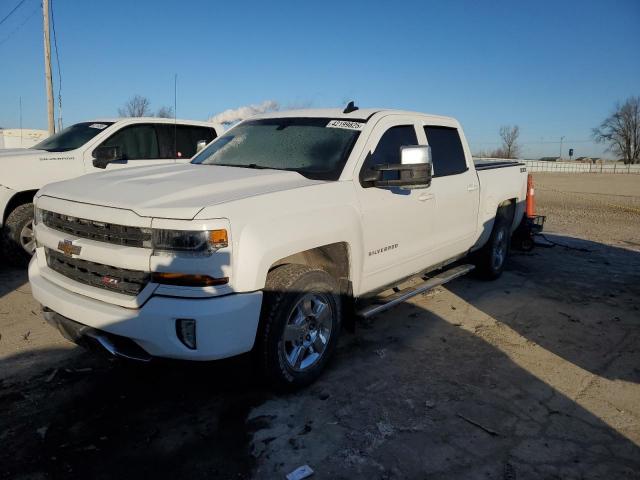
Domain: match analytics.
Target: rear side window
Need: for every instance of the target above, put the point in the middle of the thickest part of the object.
(388, 149)
(138, 142)
(446, 151)
(180, 141)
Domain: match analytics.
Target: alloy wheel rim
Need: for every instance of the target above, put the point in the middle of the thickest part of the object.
(500, 250)
(307, 331)
(27, 238)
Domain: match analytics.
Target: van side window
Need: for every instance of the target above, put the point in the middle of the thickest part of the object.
(137, 142)
(446, 151)
(388, 149)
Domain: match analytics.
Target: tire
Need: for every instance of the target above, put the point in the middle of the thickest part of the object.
(296, 339)
(16, 237)
(490, 259)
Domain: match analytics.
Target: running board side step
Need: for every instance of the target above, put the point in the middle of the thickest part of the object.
(407, 293)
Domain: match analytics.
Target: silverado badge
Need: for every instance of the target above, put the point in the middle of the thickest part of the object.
(68, 248)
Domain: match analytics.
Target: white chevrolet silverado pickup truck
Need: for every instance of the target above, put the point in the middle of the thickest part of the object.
(83, 148)
(270, 237)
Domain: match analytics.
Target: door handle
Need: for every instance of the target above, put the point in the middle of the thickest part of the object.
(423, 197)
(472, 188)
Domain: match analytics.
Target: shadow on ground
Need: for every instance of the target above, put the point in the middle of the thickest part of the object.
(412, 395)
(11, 277)
(581, 303)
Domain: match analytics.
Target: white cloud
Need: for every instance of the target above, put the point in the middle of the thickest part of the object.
(238, 114)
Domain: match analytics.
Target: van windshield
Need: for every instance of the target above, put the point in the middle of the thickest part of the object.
(72, 137)
(314, 147)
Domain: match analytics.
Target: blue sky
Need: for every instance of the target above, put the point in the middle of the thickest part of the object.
(556, 68)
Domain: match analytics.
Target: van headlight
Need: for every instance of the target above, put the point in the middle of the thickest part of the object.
(199, 242)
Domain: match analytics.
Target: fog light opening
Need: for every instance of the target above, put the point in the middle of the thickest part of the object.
(186, 331)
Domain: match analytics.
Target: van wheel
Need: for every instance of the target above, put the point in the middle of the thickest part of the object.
(300, 325)
(490, 260)
(17, 239)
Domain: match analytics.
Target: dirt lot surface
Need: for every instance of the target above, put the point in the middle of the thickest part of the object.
(535, 375)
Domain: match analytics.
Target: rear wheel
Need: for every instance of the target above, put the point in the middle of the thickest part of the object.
(490, 260)
(300, 325)
(17, 238)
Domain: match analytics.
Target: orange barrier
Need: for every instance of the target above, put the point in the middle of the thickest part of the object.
(531, 197)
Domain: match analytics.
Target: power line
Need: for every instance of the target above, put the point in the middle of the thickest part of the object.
(15, 30)
(11, 12)
(545, 142)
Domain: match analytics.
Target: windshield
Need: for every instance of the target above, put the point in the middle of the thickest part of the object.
(314, 147)
(72, 137)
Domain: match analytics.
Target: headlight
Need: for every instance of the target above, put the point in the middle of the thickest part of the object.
(202, 242)
(37, 215)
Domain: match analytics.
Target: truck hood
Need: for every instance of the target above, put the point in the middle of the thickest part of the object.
(173, 191)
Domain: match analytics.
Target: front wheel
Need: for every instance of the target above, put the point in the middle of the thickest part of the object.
(17, 238)
(300, 325)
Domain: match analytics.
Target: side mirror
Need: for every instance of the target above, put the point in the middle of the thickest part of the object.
(414, 169)
(200, 145)
(103, 156)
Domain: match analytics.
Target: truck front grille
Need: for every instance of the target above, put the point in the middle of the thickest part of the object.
(99, 231)
(128, 282)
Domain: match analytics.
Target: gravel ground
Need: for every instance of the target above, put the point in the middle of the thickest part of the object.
(599, 207)
(535, 375)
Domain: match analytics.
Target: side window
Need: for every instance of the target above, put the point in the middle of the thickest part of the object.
(388, 149)
(187, 139)
(138, 142)
(180, 141)
(446, 151)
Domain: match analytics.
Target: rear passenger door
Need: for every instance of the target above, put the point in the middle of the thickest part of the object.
(179, 142)
(456, 191)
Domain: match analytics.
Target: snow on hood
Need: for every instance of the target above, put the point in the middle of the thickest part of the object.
(173, 191)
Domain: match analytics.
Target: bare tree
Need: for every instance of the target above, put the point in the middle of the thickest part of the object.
(165, 112)
(621, 130)
(510, 147)
(136, 106)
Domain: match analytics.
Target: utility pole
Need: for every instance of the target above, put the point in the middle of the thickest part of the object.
(47, 66)
(21, 121)
(561, 140)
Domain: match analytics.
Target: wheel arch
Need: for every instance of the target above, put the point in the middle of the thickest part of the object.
(18, 199)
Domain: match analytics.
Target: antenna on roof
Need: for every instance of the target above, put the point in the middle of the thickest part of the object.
(351, 107)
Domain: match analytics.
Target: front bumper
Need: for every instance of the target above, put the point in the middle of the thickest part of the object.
(225, 325)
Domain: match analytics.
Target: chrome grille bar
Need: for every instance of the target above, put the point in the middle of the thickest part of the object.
(98, 231)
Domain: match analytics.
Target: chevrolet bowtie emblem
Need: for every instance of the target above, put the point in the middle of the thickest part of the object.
(68, 248)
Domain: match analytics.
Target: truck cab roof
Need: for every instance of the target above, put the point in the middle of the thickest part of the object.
(133, 120)
(362, 114)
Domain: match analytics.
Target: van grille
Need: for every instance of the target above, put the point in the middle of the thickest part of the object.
(99, 231)
(128, 282)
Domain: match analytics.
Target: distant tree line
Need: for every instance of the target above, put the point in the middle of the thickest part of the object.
(139, 106)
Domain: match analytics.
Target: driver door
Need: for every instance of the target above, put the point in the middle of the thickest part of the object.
(138, 144)
(397, 222)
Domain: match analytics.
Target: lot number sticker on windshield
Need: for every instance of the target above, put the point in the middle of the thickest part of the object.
(99, 126)
(345, 124)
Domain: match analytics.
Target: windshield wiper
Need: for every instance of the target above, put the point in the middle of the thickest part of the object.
(251, 165)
